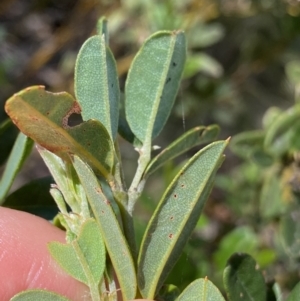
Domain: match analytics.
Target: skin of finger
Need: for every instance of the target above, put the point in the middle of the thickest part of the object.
(25, 262)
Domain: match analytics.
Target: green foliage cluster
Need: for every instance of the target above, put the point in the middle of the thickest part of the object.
(86, 165)
(261, 192)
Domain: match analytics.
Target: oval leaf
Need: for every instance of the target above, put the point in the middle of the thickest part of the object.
(176, 217)
(115, 241)
(243, 279)
(290, 232)
(43, 116)
(84, 258)
(278, 130)
(246, 143)
(201, 290)
(193, 137)
(37, 295)
(96, 83)
(17, 157)
(153, 82)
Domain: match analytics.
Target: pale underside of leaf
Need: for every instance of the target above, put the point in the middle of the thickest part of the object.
(153, 82)
(111, 232)
(83, 258)
(96, 83)
(175, 217)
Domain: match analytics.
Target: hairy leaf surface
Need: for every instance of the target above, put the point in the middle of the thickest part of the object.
(152, 83)
(175, 217)
(83, 258)
(96, 83)
(115, 241)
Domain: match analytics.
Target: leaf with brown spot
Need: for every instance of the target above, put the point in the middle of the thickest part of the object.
(43, 116)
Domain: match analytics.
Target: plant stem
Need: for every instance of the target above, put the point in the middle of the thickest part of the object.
(138, 183)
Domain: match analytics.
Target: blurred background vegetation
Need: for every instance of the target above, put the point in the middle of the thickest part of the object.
(243, 58)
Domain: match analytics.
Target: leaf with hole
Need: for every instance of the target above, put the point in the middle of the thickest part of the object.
(175, 217)
(43, 116)
(152, 83)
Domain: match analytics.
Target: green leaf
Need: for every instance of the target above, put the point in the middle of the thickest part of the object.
(204, 35)
(97, 85)
(245, 143)
(292, 70)
(201, 290)
(193, 137)
(295, 294)
(34, 198)
(202, 62)
(84, 258)
(43, 116)
(271, 202)
(115, 241)
(175, 217)
(17, 157)
(277, 136)
(241, 239)
(243, 279)
(290, 232)
(38, 295)
(270, 116)
(152, 83)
